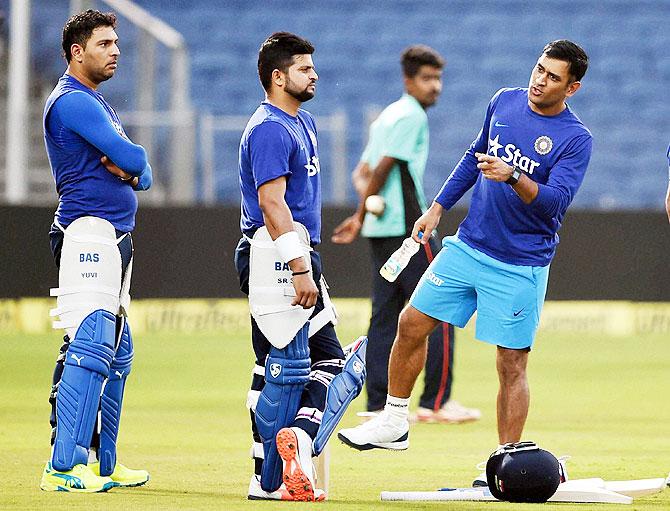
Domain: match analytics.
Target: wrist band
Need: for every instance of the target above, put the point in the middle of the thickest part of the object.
(300, 273)
(289, 246)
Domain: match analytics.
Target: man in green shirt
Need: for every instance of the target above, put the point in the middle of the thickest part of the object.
(391, 173)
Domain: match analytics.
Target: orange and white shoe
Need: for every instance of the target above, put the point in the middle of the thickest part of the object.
(257, 493)
(295, 448)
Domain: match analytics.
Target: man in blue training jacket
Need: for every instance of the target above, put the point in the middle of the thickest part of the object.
(97, 171)
(525, 165)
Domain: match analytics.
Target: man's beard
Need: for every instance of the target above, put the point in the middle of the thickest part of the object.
(302, 96)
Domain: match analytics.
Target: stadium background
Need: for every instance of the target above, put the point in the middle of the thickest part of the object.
(599, 372)
(614, 237)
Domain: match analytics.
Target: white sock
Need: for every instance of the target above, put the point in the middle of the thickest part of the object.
(397, 408)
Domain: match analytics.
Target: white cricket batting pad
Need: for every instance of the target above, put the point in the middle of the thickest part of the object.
(271, 288)
(327, 315)
(90, 273)
(124, 297)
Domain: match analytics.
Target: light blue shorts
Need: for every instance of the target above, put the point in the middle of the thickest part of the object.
(508, 298)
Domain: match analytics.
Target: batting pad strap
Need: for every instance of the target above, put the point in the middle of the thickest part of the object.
(252, 399)
(71, 290)
(344, 388)
(257, 450)
(57, 311)
(289, 246)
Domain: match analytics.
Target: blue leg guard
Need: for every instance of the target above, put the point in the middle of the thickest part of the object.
(86, 367)
(112, 398)
(286, 374)
(344, 388)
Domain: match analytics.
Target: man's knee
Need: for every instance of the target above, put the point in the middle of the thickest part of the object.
(511, 365)
(414, 326)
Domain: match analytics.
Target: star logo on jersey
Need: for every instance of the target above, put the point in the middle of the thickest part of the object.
(495, 146)
(512, 154)
(313, 168)
(543, 145)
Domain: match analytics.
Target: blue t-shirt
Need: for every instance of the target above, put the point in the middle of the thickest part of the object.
(276, 144)
(79, 128)
(554, 151)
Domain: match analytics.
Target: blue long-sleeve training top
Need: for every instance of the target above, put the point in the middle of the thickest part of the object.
(554, 151)
(79, 128)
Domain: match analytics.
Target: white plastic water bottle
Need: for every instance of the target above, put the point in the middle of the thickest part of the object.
(399, 259)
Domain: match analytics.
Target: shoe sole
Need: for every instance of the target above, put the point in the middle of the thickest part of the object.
(254, 497)
(56, 487)
(132, 485)
(297, 483)
(391, 446)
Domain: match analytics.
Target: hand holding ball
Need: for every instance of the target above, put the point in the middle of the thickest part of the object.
(375, 205)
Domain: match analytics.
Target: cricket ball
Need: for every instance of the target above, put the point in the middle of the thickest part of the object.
(375, 204)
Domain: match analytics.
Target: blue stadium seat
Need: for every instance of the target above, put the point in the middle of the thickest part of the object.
(487, 45)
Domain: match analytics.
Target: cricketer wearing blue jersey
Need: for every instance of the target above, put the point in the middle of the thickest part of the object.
(97, 171)
(525, 167)
(280, 270)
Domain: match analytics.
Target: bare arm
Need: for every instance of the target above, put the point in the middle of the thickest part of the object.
(360, 177)
(348, 230)
(278, 220)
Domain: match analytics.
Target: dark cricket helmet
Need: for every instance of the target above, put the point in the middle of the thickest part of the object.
(522, 472)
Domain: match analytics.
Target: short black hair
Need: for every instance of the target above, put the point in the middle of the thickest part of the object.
(277, 52)
(79, 27)
(419, 55)
(569, 52)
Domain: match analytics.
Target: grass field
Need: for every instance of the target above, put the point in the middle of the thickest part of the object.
(603, 401)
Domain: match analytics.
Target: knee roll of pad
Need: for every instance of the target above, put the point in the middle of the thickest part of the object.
(86, 366)
(286, 374)
(112, 400)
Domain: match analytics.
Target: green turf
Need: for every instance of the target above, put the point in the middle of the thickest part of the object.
(603, 401)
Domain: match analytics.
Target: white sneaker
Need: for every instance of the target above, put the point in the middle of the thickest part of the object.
(377, 433)
(295, 448)
(258, 493)
(480, 480)
(452, 412)
(562, 468)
